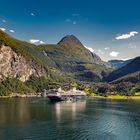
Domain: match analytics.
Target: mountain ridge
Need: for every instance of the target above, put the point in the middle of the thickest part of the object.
(68, 56)
(131, 67)
(70, 40)
(71, 56)
(116, 64)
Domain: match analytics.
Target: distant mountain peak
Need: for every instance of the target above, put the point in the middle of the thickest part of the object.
(116, 64)
(132, 67)
(70, 40)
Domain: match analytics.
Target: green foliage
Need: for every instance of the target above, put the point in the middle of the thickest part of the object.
(38, 84)
(59, 76)
(75, 60)
(4, 91)
(135, 89)
(89, 91)
(105, 89)
(12, 85)
(133, 78)
(33, 85)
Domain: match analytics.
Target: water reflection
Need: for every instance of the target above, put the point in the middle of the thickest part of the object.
(25, 110)
(14, 112)
(36, 118)
(69, 109)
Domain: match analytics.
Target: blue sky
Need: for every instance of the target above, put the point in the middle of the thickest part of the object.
(110, 27)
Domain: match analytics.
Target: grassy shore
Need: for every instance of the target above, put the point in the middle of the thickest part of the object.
(118, 97)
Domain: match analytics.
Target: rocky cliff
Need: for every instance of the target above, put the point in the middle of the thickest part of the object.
(13, 64)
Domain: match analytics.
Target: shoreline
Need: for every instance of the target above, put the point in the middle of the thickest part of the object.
(111, 97)
(117, 97)
(20, 96)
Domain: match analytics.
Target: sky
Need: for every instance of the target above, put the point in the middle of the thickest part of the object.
(110, 28)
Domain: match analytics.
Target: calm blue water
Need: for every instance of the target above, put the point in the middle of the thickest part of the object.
(37, 119)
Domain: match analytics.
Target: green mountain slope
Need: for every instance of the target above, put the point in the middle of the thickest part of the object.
(68, 56)
(33, 55)
(133, 78)
(132, 67)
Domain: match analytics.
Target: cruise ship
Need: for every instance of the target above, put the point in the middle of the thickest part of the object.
(61, 95)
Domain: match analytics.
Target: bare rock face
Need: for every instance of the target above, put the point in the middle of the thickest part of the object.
(15, 65)
(70, 40)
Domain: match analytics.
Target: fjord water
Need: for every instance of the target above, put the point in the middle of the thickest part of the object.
(37, 119)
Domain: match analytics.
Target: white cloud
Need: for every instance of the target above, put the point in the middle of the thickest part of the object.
(4, 20)
(33, 41)
(32, 14)
(114, 54)
(126, 36)
(90, 49)
(132, 46)
(124, 59)
(12, 31)
(74, 22)
(3, 29)
(36, 41)
(41, 42)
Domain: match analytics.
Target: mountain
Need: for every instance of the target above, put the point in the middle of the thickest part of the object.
(70, 40)
(133, 78)
(21, 60)
(77, 48)
(17, 62)
(68, 58)
(116, 64)
(130, 68)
